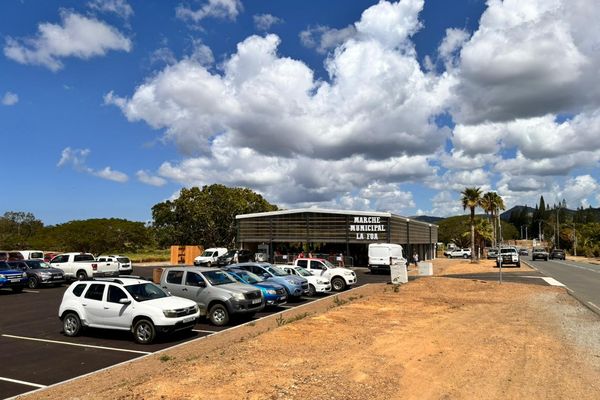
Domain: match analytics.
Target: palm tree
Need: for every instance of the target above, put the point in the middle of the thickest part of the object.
(498, 205)
(487, 203)
(471, 198)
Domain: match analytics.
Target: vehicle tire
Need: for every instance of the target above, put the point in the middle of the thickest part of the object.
(17, 289)
(497, 265)
(144, 331)
(311, 291)
(209, 264)
(71, 324)
(33, 283)
(81, 275)
(546, 259)
(465, 256)
(218, 315)
(338, 284)
(518, 265)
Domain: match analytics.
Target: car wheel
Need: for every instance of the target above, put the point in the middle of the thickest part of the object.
(33, 282)
(144, 331)
(465, 256)
(17, 289)
(81, 275)
(71, 324)
(311, 290)
(497, 265)
(209, 264)
(338, 284)
(518, 265)
(218, 315)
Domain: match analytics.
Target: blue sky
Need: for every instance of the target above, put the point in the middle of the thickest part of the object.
(108, 107)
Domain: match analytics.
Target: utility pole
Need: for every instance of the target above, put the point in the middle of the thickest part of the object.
(557, 229)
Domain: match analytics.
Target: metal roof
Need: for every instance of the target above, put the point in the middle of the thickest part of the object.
(330, 211)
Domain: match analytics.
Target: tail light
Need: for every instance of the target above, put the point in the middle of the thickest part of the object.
(95, 267)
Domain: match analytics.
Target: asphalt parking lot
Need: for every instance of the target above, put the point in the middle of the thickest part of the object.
(36, 354)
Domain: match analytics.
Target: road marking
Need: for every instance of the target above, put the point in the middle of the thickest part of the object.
(578, 266)
(202, 331)
(31, 291)
(76, 344)
(593, 305)
(23, 382)
(552, 282)
(284, 306)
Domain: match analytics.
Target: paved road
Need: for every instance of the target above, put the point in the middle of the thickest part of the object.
(581, 278)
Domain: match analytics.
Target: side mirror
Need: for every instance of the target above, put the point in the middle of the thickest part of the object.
(202, 284)
(266, 276)
(124, 300)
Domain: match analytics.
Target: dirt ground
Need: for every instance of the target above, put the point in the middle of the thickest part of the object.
(433, 338)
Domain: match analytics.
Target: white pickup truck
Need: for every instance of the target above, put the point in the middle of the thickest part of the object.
(340, 277)
(83, 265)
(464, 253)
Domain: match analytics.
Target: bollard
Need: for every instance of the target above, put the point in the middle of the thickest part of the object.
(425, 269)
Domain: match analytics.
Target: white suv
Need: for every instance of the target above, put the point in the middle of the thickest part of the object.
(124, 263)
(125, 304)
(316, 284)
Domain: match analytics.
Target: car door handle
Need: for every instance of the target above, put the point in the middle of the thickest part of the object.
(83, 304)
(106, 308)
(184, 290)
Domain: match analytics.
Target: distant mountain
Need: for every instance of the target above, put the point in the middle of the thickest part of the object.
(427, 218)
(515, 210)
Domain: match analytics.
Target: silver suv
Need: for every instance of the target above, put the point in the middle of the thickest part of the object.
(216, 292)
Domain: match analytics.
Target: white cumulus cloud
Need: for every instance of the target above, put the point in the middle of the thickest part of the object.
(77, 158)
(221, 9)
(10, 99)
(264, 22)
(77, 36)
(148, 179)
(118, 7)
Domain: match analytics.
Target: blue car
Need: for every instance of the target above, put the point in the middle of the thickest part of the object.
(295, 286)
(274, 294)
(12, 278)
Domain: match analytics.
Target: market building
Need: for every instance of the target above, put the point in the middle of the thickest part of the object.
(324, 232)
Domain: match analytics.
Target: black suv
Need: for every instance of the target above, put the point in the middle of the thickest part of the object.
(557, 254)
(230, 257)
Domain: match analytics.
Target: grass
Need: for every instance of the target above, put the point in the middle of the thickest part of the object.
(165, 358)
(150, 255)
(282, 321)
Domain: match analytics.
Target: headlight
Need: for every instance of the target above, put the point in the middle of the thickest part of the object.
(196, 308)
(293, 282)
(238, 296)
(2, 276)
(23, 275)
(349, 273)
(271, 291)
(170, 313)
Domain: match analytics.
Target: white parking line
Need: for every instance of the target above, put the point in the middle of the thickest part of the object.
(286, 306)
(23, 382)
(593, 305)
(31, 291)
(76, 344)
(202, 331)
(552, 282)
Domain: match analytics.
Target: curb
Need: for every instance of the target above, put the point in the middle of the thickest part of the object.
(572, 294)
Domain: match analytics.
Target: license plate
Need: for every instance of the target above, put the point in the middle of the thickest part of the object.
(16, 280)
(256, 301)
(189, 319)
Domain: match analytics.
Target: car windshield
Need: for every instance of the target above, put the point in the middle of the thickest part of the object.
(36, 254)
(276, 271)
(37, 264)
(207, 254)
(145, 291)
(328, 264)
(249, 277)
(303, 272)
(229, 254)
(123, 260)
(218, 277)
(507, 250)
(4, 266)
(538, 250)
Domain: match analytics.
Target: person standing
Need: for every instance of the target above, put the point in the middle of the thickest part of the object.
(415, 258)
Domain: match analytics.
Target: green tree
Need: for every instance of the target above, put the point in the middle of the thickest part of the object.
(205, 216)
(17, 228)
(471, 199)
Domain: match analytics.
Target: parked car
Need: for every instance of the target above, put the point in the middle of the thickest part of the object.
(463, 253)
(11, 255)
(209, 256)
(382, 255)
(11, 277)
(557, 254)
(523, 252)
(49, 256)
(83, 265)
(539, 253)
(274, 293)
(32, 254)
(295, 286)
(234, 256)
(492, 254)
(340, 277)
(39, 273)
(508, 256)
(261, 257)
(128, 304)
(217, 293)
(123, 263)
(316, 284)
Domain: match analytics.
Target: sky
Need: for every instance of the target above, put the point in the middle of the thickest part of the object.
(108, 107)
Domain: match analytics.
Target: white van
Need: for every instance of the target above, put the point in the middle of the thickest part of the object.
(382, 255)
(209, 257)
(32, 254)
